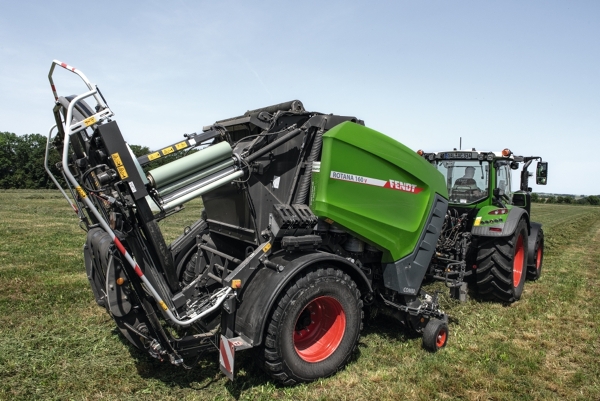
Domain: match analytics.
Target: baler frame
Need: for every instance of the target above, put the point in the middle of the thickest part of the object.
(219, 284)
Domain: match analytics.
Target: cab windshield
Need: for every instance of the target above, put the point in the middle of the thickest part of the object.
(467, 180)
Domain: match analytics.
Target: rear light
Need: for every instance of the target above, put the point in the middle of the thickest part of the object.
(496, 229)
(498, 211)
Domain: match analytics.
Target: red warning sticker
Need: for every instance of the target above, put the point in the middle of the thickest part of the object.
(226, 359)
(391, 184)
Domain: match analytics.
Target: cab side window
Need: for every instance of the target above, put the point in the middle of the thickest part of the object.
(503, 180)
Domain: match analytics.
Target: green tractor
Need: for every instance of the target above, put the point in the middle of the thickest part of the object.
(488, 238)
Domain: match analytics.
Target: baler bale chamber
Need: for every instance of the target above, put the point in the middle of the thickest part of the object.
(308, 219)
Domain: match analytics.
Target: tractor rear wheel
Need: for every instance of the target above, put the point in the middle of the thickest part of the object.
(502, 266)
(314, 327)
(535, 271)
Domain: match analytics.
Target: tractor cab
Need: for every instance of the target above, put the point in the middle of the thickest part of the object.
(475, 179)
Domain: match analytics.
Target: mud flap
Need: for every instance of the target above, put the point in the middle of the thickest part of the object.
(227, 348)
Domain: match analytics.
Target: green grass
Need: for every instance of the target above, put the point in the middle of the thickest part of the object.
(55, 343)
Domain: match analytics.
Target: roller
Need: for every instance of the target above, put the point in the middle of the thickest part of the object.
(188, 165)
(167, 189)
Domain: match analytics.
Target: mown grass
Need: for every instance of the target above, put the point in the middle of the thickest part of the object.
(55, 343)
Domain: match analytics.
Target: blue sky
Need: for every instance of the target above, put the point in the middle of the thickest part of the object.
(517, 74)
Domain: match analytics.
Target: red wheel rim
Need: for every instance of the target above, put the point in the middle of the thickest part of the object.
(319, 329)
(518, 261)
(441, 338)
(538, 258)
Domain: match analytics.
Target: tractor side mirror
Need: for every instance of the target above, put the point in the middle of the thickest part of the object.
(541, 173)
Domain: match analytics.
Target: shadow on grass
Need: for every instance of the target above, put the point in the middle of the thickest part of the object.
(205, 370)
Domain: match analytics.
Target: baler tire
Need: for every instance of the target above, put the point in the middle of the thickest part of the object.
(300, 348)
(435, 335)
(534, 272)
(502, 266)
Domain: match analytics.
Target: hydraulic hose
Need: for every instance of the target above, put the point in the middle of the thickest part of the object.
(273, 145)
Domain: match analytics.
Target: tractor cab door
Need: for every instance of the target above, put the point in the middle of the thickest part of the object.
(503, 180)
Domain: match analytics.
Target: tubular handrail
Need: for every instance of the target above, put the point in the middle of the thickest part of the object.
(220, 296)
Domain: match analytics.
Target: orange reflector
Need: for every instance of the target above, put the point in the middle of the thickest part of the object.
(506, 152)
(236, 284)
(120, 281)
(420, 152)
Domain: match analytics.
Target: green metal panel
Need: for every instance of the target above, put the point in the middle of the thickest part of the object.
(375, 187)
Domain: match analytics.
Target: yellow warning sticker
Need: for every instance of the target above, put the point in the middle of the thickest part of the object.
(122, 172)
(116, 159)
(181, 145)
(153, 156)
(477, 221)
(90, 121)
(163, 305)
(266, 247)
(168, 150)
(81, 192)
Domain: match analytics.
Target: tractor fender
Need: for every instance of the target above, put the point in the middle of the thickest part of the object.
(533, 233)
(508, 224)
(262, 291)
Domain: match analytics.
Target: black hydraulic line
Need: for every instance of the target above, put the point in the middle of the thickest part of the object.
(292, 105)
(273, 145)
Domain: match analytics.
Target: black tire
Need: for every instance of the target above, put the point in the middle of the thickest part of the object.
(435, 335)
(534, 271)
(291, 353)
(502, 266)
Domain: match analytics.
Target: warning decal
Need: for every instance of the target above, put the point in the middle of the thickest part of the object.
(119, 165)
(227, 355)
(391, 184)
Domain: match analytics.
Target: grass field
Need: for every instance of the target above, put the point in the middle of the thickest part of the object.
(55, 343)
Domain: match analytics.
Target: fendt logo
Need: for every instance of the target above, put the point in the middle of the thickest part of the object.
(403, 186)
(391, 184)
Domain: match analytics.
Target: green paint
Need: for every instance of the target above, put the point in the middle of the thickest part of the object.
(389, 215)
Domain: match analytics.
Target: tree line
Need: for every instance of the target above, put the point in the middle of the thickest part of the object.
(22, 161)
(593, 200)
(22, 167)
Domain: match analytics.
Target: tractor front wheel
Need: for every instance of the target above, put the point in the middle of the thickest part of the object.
(502, 266)
(314, 327)
(535, 271)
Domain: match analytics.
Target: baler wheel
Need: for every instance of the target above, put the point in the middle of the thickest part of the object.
(435, 335)
(502, 266)
(534, 272)
(314, 328)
